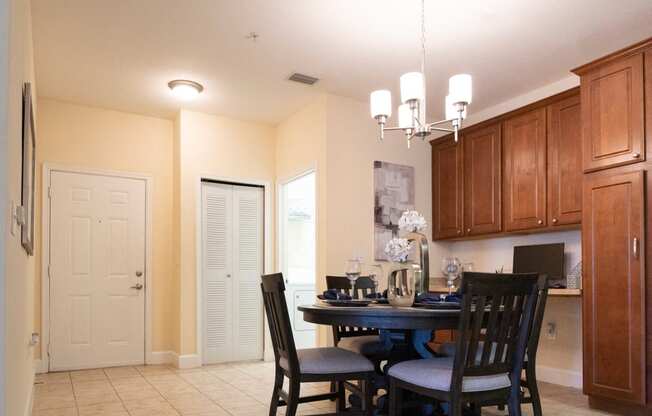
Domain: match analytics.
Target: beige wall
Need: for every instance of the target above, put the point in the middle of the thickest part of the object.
(217, 147)
(98, 139)
(4, 192)
(352, 147)
(19, 269)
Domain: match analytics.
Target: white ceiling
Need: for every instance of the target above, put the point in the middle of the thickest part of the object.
(120, 54)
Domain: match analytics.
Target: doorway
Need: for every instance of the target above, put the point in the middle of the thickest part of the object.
(297, 250)
(232, 223)
(96, 270)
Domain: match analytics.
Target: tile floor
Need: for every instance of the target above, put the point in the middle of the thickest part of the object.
(241, 389)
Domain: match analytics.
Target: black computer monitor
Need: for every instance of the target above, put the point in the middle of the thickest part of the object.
(542, 258)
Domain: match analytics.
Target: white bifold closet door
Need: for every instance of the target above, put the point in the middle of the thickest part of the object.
(232, 240)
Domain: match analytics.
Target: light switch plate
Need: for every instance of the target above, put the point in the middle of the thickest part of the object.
(12, 219)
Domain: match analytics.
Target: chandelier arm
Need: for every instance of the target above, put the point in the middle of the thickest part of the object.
(442, 129)
(396, 128)
(440, 122)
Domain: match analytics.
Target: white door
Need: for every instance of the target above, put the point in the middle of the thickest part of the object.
(97, 271)
(232, 239)
(297, 251)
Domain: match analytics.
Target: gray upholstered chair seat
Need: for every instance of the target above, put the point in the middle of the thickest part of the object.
(436, 374)
(448, 349)
(330, 360)
(367, 345)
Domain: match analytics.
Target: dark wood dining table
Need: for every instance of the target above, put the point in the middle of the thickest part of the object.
(381, 316)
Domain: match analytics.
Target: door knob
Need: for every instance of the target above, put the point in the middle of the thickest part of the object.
(139, 273)
(554, 220)
(636, 155)
(137, 286)
(540, 222)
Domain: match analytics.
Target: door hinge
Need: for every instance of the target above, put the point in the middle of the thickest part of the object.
(49, 271)
(50, 192)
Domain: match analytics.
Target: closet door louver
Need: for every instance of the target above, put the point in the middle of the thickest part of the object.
(217, 227)
(248, 265)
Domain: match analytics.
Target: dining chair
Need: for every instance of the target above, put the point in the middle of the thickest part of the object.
(529, 382)
(364, 341)
(482, 370)
(329, 364)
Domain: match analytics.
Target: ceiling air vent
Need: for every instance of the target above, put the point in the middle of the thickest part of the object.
(304, 79)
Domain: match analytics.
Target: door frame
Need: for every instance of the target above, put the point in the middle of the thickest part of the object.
(48, 169)
(199, 275)
(279, 219)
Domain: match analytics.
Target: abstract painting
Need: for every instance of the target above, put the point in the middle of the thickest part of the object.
(393, 194)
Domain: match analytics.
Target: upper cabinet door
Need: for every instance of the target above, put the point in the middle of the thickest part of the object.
(613, 114)
(482, 180)
(524, 171)
(447, 189)
(565, 162)
(613, 301)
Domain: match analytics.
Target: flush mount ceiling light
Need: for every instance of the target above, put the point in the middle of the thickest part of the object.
(412, 111)
(185, 89)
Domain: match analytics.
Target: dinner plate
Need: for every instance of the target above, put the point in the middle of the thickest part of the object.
(342, 302)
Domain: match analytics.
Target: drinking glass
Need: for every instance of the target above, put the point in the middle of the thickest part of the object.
(375, 272)
(451, 267)
(352, 273)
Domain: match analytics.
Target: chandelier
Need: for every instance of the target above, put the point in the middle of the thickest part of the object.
(412, 111)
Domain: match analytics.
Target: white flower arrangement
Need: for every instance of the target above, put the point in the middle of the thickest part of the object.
(398, 249)
(412, 222)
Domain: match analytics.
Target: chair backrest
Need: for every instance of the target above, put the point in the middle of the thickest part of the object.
(537, 322)
(278, 318)
(363, 286)
(496, 317)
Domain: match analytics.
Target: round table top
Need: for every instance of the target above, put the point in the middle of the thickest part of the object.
(381, 316)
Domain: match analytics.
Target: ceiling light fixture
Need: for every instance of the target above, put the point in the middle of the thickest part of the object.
(412, 111)
(185, 89)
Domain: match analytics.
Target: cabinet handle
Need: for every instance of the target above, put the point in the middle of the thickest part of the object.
(459, 231)
(540, 222)
(636, 155)
(635, 247)
(468, 230)
(554, 220)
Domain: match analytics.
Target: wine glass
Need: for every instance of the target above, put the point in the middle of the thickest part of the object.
(375, 271)
(451, 268)
(352, 273)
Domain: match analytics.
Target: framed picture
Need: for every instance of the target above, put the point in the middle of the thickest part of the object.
(28, 174)
(393, 194)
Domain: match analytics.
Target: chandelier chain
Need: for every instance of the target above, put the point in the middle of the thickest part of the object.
(423, 37)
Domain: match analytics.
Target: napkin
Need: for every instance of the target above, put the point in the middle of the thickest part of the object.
(334, 294)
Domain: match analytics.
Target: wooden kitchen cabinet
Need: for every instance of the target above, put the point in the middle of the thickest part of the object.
(524, 171)
(482, 180)
(447, 186)
(564, 162)
(613, 111)
(613, 315)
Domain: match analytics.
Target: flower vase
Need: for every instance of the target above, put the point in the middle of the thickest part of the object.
(400, 284)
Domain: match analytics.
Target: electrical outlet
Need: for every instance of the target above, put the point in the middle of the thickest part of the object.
(551, 330)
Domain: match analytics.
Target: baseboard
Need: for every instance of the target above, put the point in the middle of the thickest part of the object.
(30, 400)
(188, 361)
(171, 357)
(40, 366)
(559, 376)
